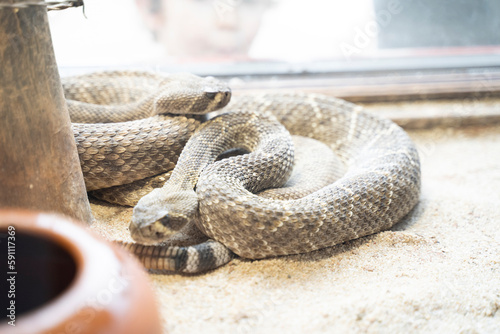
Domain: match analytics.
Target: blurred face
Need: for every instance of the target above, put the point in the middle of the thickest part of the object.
(207, 28)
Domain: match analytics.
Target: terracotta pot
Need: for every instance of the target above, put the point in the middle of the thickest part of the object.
(66, 280)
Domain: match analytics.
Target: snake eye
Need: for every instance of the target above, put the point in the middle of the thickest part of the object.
(164, 220)
(210, 95)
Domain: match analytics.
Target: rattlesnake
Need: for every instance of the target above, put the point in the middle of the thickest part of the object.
(380, 186)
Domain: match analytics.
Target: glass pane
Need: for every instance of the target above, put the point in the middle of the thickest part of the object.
(273, 36)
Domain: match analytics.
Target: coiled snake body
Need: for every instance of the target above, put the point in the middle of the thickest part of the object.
(381, 183)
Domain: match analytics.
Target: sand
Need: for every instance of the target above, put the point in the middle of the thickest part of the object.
(436, 271)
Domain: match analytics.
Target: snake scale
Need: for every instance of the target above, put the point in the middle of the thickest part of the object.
(216, 202)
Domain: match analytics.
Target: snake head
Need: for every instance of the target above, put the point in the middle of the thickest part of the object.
(185, 93)
(159, 215)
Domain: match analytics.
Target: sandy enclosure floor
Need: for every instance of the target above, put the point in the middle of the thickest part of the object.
(436, 271)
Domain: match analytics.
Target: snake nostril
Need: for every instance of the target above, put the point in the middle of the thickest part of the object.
(225, 98)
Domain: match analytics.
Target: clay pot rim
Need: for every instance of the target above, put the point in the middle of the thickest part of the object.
(89, 253)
